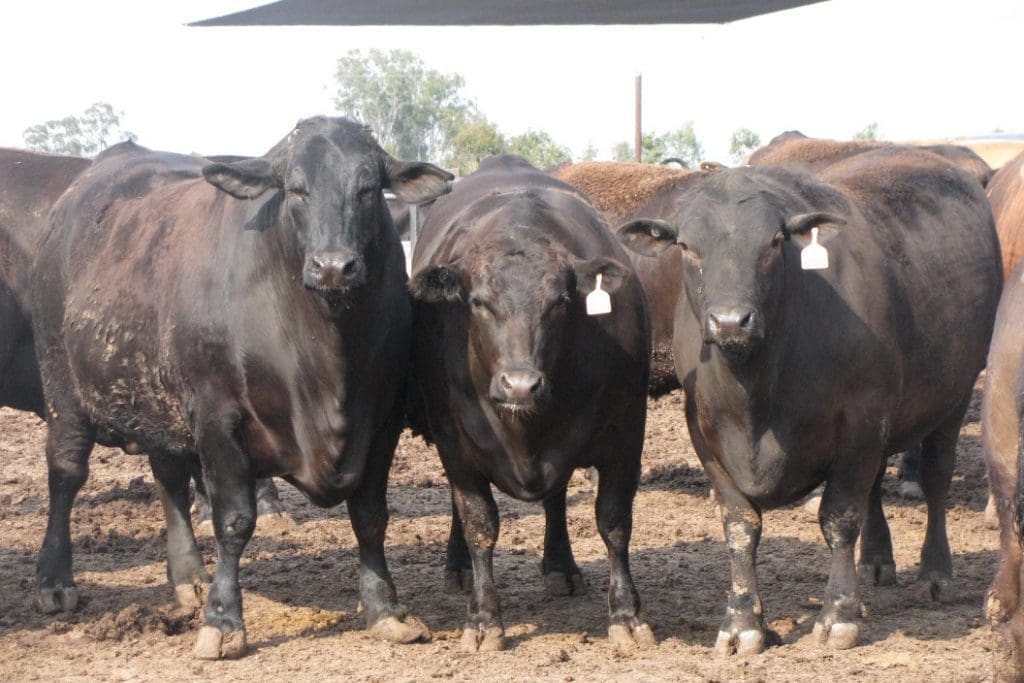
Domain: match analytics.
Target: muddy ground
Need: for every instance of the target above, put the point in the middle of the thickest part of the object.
(300, 587)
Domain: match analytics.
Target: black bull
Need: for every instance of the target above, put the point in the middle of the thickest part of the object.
(252, 314)
(796, 377)
(30, 182)
(520, 386)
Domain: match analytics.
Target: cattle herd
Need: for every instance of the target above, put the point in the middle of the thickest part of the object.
(823, 307)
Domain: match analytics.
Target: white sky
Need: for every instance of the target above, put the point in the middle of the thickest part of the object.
(922, 69)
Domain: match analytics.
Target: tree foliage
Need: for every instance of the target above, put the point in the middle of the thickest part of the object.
(681, 143)
(414, 110)
(869, 132)
(743, 142)
(472, 143)
(539, 148)
(85, 135)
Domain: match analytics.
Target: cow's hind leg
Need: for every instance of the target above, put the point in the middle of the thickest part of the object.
(562, 575)
(458, 567)
(368, 512)
(230, 485)
(616, 489)
(185, 568)
(877, 565)
(938, 459)
(68, 445)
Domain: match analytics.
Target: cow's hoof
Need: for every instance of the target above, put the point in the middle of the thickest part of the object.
(489, 639)
(877, 573)
(190, 595)
(560, 583)
(749, 642)
(839, 636)
(212, 644)
(59, 599)
(626, 639)
(991, 514)
(934, 589)
(458, 580)
(274, 522)
(812, 503)
(911, 490)
(402, 631)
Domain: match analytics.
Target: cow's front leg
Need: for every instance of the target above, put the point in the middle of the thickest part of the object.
(483, 630)
(368, 511)
(616, 488)
(562, 575)
(841, 516)
(230, 485)
(743, 630)
(458, 567)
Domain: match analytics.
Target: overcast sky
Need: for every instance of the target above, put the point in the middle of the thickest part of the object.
(920, 69)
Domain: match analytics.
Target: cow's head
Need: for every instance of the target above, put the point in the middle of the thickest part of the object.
(737, 232)
(520, 294)
(328, 176)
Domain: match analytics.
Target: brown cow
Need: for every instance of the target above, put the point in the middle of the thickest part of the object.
(621, 191)
(1006, 195)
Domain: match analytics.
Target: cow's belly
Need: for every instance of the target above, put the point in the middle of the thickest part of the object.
(124, 382)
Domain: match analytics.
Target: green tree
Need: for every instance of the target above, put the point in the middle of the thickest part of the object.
(85, 135)
(414, 111)
(743, 142)
(590, 153)
(869, 132)
(539, 148)
(681, 143)
(473, 141)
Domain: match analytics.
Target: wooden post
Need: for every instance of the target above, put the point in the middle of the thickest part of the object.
(638, 144)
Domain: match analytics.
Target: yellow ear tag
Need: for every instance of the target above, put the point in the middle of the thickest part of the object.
(598, 301)
(814, 256)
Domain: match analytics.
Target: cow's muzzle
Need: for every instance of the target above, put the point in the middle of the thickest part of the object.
(334, 272)
(733, 328)
(519, 390)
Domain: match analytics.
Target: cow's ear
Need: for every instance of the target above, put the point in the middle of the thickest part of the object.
(415, 182)
(436, 284)
(798, 227)
(647, 236)
(613, 274)
(246, 179)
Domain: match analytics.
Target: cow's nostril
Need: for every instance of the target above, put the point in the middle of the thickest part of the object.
(745, 322)
(348, 268)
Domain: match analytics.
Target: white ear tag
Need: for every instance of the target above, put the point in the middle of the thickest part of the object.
(814, 256)
(598, 301)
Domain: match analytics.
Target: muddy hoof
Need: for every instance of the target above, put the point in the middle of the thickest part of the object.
(560, 584)
(934, 589)
(191, 595)
(749, 642)
(838, 636)
(58, 599)
(458, 580)
(212, 644)
(911, 490)
(627, 639)
(409, 630)
(991, 514)
(877, 574)
(490, 639)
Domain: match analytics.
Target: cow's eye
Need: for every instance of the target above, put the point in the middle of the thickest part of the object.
(298, 192)
(479, 306)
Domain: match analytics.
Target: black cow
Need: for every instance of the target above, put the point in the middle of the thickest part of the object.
(796, 377)
(30, 182)
(251, 313)
(520, 386)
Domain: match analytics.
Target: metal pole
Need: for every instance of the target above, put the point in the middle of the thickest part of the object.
(414, 226)
(639, 138)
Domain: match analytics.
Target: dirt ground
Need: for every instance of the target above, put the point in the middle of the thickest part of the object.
(300, 586)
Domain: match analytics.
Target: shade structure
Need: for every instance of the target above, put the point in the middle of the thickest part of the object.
(498, 12)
